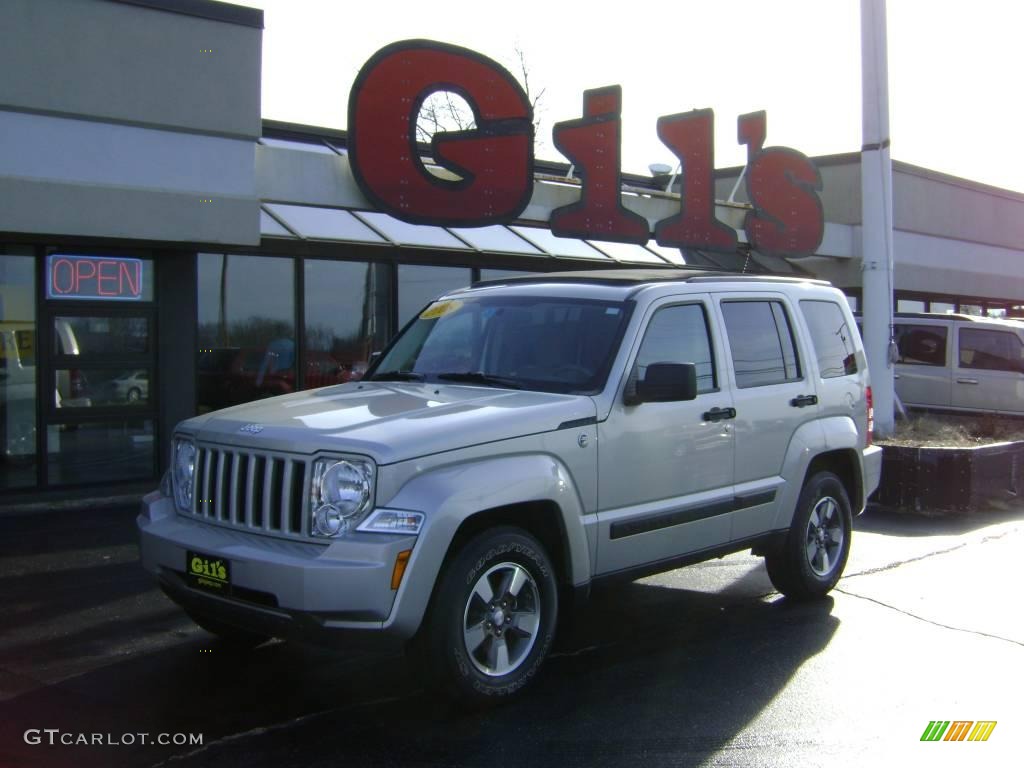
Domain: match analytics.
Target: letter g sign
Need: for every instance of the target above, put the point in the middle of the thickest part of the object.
(494, 159)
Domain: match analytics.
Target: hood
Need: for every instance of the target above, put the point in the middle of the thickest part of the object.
(389, 421)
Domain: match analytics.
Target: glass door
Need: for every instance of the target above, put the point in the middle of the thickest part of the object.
(99, 337)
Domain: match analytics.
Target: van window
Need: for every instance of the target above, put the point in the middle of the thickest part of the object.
(920, 344)
(679, 335)
(761, 340)
(831, 337)
(991, 350)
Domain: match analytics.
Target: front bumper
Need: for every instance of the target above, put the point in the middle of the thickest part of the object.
(278, 587)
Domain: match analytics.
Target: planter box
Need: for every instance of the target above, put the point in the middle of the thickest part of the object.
(949, 479)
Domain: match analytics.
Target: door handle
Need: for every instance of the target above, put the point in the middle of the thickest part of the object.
(966, 381)
(803, 400)
(895, 375)
(719, 414)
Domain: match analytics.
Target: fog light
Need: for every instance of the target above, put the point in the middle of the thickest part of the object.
(329, 521)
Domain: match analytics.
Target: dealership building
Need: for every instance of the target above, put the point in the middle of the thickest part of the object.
(164, 251)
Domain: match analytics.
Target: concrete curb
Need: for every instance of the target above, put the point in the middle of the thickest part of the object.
(70, 505)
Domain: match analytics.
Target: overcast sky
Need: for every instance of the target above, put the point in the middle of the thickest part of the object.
(955, 68)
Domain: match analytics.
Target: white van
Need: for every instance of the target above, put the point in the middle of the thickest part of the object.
(960, 363)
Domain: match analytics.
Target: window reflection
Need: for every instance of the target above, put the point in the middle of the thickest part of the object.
(346, 316)
(95, 452)
(97, 387)
(418, 285)
(17, 371)
(96, 336)
(246, 329)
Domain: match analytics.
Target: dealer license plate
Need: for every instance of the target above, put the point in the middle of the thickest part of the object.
(208, 573)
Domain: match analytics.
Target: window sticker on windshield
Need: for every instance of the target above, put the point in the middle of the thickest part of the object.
(440, 309)
(612, 311)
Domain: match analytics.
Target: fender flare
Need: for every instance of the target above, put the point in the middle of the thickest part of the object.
(451, 495)
(833, 433)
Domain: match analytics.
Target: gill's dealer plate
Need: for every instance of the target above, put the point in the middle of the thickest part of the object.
(208, 573)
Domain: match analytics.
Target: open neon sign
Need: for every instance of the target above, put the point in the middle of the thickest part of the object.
(494, 160)
(103, 278)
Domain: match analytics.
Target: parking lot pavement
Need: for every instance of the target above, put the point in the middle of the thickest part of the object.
(704, 665)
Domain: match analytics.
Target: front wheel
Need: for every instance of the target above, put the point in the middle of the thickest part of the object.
(814, 555)
(492, 619)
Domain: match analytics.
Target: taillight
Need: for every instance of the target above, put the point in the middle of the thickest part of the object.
(871, 415)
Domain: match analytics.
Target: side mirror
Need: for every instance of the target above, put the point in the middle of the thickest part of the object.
(667, 382)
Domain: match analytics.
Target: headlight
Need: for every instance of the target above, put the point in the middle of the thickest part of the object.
(341, 495)
(393, 521)
(166, 486)
(183, 470)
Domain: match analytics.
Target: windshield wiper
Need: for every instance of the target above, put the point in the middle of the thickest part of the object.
(478, 377)
(397, 376)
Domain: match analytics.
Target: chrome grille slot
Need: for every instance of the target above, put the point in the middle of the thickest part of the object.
(249, 491)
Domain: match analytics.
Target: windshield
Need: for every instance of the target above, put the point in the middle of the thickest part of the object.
(518, 342)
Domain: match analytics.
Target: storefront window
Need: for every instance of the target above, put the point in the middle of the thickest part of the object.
(419, 285)
(501, 274)
(909, 305)
(94, 452)
(346, 316)
(246, 329)
(17, 369)
(942, 307)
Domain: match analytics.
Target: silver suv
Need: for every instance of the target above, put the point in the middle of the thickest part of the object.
(518, 442)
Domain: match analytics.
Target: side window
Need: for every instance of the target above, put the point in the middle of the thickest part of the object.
(831, 337)
(761, 339)
(679, 335)
(990, 350)
(920, 344)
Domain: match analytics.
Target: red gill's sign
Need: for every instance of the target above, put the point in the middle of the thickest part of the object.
(494, 159)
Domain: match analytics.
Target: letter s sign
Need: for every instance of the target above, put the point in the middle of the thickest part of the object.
(494, 160)
(783, 186)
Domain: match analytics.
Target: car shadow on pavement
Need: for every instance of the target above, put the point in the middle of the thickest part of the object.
(878, 519)
(653, 672)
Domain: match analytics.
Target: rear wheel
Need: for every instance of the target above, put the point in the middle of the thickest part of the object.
(492, 619)
(818, 544)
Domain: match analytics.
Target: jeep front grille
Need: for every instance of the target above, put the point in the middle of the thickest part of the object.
(251, 491)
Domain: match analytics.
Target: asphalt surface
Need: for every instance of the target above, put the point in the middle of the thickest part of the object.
(701, 666)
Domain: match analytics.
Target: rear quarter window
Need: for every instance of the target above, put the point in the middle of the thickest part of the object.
(832, 338)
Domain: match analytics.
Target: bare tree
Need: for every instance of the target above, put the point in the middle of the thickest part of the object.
(448, 111)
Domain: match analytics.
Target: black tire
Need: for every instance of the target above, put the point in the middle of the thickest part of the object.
(521, 615)
(229, 634)
(811, 561)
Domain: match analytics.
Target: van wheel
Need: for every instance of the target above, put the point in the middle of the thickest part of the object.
(818, 544)
(492, 619)
(231, 635)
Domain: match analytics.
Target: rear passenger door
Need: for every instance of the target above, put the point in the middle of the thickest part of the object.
(989, 375)
(772, 396)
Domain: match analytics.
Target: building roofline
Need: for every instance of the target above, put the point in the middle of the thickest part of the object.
(205, 9)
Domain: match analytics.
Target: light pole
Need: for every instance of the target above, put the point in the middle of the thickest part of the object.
(876, 213)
